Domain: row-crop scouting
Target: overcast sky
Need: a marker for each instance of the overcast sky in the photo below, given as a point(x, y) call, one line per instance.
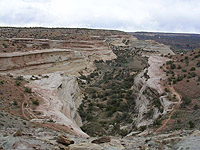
point(127, 15)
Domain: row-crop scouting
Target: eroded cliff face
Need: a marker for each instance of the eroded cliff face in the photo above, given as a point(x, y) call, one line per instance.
point(151, 101)
point(61, 98)
point(52, 72)
point(71, 96)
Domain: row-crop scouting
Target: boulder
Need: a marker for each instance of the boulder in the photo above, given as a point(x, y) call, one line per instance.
point(21, 145)
point(101, 140)
point(18, 133)
point(62, 139)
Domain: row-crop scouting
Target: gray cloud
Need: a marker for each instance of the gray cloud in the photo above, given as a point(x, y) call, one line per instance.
point(128, 15)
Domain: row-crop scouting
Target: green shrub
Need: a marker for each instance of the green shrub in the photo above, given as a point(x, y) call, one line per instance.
point(173, 66)
point(179, 78)
point(20, 78)
point(94, 95)
point(169, 62)
point(184, 70)
point(191, 124)
point(1, 82)
point(36, 102)
point(179, 67)
point(193, 74)
point(166, 90)
point(142, 128)
point(17, 83)
point(193, 69)
point(196, 107)
point(28, 90)
point(157, 122)
point(198, 63)
point(123, 132)
point(15, 103)
point(186, 100)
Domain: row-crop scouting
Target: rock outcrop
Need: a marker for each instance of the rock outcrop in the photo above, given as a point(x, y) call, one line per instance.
point(150, 88)
point(62, 139)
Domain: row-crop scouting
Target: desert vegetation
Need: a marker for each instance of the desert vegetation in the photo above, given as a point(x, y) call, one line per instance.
point(109, 102)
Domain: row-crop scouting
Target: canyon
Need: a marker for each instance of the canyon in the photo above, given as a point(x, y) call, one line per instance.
point(79, 82)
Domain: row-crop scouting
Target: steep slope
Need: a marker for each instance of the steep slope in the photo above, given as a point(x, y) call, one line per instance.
point(183, 77)
point(52, 71)
point(126, 94)
point(95, 83)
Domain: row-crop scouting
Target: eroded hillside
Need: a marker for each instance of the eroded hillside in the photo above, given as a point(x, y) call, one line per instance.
point(83, 82)
point(52, 70)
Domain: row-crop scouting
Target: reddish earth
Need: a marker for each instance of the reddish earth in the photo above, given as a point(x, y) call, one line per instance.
point(187, 88)
point(175, 108)
point(15, 98)
point(23, 105)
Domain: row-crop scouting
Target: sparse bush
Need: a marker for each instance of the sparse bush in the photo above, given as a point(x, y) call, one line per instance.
point(186, 100)
point(196, 107)
point(198, 63)
point(157, 102)
point(1, 82)
point(50, 121)
point(28, 90)
point(94, 95)
point(179, 78)
point(166, 90)
point(142, 128)
point(184, 70)
point(123, 132)
point(25, 104)
point(191, 124)
point(179, 67)
point(157, 122)
point(17, 83)
point(173, 66)
point(193, 74)
point(169, 62)
point(174, 81)
point(193, 69)
point(36, 102)
point(20, 78)
point(178, 121)
point(15, 103)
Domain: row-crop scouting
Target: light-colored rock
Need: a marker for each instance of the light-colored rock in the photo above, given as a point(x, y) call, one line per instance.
point(61, 99)
point(150, 84)
point(85, 146)
point(22, 145)
point(113, 145)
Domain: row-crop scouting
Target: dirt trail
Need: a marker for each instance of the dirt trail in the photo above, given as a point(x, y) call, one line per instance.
point(178, 96)
point(25, 98)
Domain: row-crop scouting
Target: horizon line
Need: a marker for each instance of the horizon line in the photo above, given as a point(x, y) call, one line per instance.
point(90, 28)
